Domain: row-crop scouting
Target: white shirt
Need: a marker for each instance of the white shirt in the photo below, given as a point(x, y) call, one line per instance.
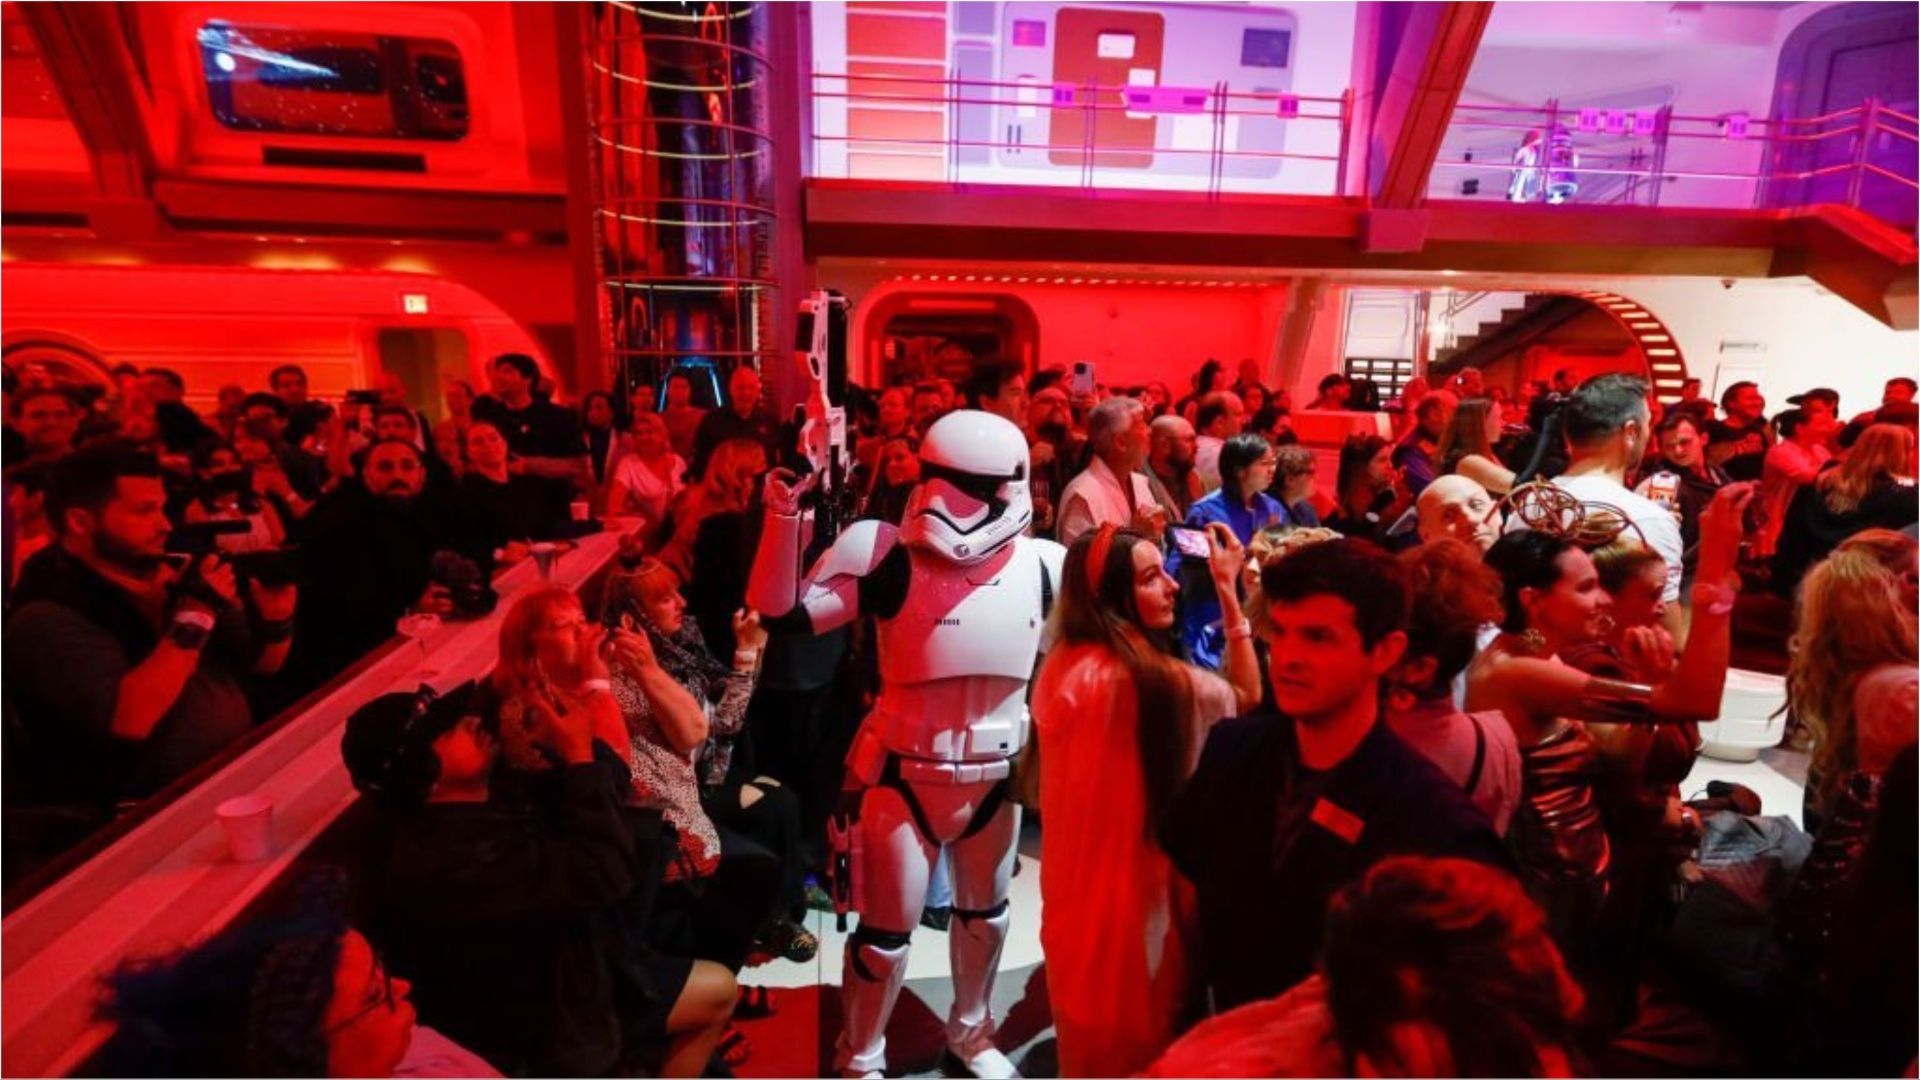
point(1095, 498)
point(632, 479)
point(1656, 523)
point(1206, 461)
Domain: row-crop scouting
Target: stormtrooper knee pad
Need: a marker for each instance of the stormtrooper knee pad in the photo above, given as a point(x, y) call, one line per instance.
point(985, 922)
point(875, 954)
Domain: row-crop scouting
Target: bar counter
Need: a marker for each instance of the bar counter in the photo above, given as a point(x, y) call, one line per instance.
point(168, 881)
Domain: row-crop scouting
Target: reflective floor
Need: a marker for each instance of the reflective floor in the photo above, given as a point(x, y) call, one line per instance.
point(799, 1040)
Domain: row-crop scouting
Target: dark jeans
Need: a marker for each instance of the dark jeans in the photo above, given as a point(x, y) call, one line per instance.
point(773, 823)
point(801, 738)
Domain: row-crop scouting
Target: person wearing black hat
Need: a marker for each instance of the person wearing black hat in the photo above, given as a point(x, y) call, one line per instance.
point(518, 919)
point(1821, 408)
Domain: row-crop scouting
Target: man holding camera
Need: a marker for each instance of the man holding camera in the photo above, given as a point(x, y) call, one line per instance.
point(127, 670)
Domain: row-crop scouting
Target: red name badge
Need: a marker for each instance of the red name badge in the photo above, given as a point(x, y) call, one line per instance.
point(1337, 821)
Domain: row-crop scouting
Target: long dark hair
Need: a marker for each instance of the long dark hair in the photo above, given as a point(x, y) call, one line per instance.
point(1107, 615)
point(1525, 559)
point(1466, 433)
point(1356, 457)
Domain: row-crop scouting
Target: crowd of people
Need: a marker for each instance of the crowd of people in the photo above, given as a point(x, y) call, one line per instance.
point(1377, 771)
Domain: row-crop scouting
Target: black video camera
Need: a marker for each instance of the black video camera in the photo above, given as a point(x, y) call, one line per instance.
point(467, 588)
point(274, 568)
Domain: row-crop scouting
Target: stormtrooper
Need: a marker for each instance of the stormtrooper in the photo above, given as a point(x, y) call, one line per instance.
point(960, 596)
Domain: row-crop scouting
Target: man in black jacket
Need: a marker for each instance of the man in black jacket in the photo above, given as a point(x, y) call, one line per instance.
point(516, 913)
point(365, 559)
point(127, 671)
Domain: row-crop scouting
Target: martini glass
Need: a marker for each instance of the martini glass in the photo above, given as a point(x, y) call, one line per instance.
point(418, 627)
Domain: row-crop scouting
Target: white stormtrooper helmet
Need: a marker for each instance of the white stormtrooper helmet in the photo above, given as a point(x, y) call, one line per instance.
point(972, 498)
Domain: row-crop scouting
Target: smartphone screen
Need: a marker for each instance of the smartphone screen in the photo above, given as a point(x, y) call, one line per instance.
point(1082, 381)
point(1190, 541)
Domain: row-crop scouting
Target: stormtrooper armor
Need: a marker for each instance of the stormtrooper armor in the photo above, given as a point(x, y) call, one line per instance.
point(960, 595)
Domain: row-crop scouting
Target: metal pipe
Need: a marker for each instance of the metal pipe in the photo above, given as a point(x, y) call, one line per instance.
point(1860, 150)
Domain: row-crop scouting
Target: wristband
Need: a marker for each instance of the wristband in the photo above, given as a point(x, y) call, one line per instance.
point(746, 657)
point(1240, 631)
point(190, 630)
point(597, 686)
point(274, 631)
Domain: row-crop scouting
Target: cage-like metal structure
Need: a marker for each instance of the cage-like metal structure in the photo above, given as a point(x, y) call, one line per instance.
point(683, 189)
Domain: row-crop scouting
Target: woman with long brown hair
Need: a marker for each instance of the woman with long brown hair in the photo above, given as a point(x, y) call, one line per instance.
point(1123, 721)
point(1852, 672)
point(1467, 446)
point(1873, 487)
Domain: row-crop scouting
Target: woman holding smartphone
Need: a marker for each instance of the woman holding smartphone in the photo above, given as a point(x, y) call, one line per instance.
point(1123, 722)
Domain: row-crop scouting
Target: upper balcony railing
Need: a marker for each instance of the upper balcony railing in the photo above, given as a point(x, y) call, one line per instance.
point(1179, 138)
point(1216, 139)
point(1863, 157)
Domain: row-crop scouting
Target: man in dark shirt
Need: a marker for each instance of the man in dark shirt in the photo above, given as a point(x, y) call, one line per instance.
point(45, 420)
point(1288, 806)
point(365, 561)
point(124, 678)
point(500, 508)
point(743, 418)
point(544, 438)
point(1739, 444)
point(1418, 454)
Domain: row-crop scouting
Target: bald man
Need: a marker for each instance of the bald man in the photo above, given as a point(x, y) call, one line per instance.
point(1170, 471)
point(1460, 508)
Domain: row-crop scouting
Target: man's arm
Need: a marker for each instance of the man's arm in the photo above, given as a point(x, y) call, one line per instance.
point(563, 449)
point(61, 658)
point(553, 468)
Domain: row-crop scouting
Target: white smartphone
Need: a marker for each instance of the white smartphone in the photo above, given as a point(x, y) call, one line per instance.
point(1081, 383)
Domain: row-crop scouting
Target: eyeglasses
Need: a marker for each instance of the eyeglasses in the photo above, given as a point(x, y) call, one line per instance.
point(380, 984)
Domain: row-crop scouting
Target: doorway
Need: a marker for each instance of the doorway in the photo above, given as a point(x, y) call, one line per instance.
point(424, 360)
point(910, 337)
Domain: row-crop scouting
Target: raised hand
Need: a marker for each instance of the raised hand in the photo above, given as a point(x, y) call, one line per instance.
point(1227, 559)
point(747, 631)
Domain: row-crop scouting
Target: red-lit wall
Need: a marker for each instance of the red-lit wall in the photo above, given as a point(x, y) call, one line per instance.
point(528, 283)
point(1133, 332)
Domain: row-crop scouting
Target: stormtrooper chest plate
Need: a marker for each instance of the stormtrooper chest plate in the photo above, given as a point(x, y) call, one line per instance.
point(961, 621)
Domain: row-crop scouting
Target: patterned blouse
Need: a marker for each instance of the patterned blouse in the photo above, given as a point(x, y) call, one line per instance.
point(665, 778)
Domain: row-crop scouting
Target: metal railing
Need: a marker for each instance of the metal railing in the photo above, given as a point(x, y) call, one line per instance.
point(1637, 155)
point(1216, 138)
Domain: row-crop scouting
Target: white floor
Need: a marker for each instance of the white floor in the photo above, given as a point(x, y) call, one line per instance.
point(928, 959)
point(1775, 778)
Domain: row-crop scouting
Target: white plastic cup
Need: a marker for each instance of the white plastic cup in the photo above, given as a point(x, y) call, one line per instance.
point(580, 509)
point(248, 823)
point(544, 554)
